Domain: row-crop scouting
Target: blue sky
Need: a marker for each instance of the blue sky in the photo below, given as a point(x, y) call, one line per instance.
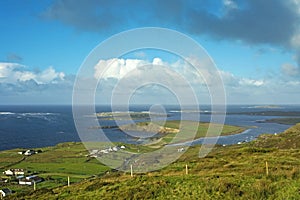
point(255, 44)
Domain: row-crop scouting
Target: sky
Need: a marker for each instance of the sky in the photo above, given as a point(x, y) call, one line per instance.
point(254, 44)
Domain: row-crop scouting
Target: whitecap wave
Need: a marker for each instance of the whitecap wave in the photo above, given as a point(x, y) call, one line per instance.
point(20, 115)
point(37, 114)
point(7, 113)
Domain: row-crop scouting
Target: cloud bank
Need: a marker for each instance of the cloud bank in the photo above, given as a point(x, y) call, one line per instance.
point(26, 86)
point(273, 22)
point(14, 73)
point(50, 86)
point(272, 89)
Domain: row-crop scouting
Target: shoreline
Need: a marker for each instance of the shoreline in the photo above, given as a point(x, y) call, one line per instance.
point(190, 142)
point(60, 142)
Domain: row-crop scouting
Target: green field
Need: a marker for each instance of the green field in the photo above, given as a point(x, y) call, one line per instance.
point(188, 130)
point(231, 172)
point(54, 164)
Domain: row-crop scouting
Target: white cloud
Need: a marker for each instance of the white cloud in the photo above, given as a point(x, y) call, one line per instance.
point(251, 82)
point(295, 40)
point(24, 76)
point(7, 68)
point(49, 75)
point(14, 73)
point(229, 79)
point(290, 70)
point(297, 5)
point(119, 68)
point(19, 85)
point(195, 72)
point(230, 4)
point(16, 79)
point(116, 68)
point(200, 75)
point(293, 83)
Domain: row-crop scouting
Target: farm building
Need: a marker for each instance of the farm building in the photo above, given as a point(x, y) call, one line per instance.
point(5, 192)
point(29, 152)
point(30, 180)
point(14, 172)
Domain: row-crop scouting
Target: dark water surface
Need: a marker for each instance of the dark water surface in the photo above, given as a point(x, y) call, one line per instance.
point(39, 126)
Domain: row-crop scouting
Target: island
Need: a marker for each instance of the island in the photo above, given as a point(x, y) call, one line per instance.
point(171, 132)
point(129, 115)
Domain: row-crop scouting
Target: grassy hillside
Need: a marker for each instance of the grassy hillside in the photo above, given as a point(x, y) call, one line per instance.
point(289, 139)
point(285, 120)
point(231, 172)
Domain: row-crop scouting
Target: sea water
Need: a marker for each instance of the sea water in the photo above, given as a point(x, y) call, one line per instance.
point(39, 126)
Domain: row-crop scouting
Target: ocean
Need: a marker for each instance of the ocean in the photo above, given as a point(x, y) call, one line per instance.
point(40, 126)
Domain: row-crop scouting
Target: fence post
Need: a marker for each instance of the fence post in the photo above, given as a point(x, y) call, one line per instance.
point(186, 169)
point(267, 168)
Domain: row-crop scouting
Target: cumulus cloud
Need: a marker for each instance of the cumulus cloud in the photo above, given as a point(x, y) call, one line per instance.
point(7, 68)
point(116, 68)
point(113, 72)
point(232, 81)
point(204, 74)
point(290, 70)
point(230, 4)
point(14, 73)
point(273, 89)
point(19, 85)
point(49, 75)
point(251, 82)
point(238, 89)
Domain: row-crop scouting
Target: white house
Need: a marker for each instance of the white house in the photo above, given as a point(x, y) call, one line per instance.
point(110, 149)
point(30, 180)
point(94, 151)
point(115, 148)
point(8, 172)
point(29, 152)
point(14, 172)
point(5, 191)
point(104, 151)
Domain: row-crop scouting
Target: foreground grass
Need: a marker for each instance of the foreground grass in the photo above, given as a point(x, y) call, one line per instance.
point(231, 172)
